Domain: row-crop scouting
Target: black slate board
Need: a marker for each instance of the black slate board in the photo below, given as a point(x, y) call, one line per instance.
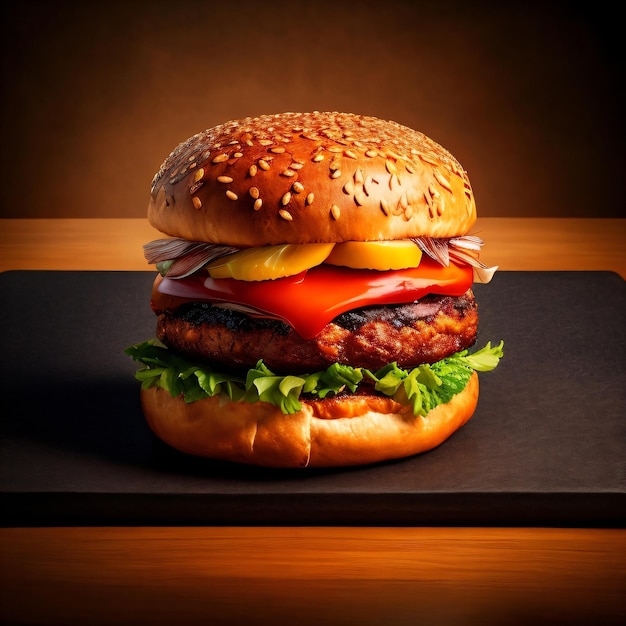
point(547, 445)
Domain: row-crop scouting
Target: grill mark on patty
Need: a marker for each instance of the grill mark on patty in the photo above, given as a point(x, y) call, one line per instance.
point(397, 315)
point(404, 314)
point(205, 313)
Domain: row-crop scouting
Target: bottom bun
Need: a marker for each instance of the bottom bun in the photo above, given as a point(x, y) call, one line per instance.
point(370, 431)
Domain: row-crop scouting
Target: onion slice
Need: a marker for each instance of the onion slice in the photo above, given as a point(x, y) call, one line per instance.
point(463, 249)
point(436, 249)
point(186, 257)
point(484, 274)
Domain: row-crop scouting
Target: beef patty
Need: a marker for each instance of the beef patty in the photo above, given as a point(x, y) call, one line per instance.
point(424, 331)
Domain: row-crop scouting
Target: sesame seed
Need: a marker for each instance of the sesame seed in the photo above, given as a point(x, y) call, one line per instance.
point(309, 199)
point(296, 166)
point(371, 153)
point(350, 154)
point(198, 175)
point(336, 174)
point(288, 172)
point(220, 158)
point(254, 192)
point(266, 142)
point(384, 205)
point(197, 203)
point(390, 166)
point(335, 211)
point(277, 150)
point(429, 201)
point(358, 177)
point(348, 188)
point(367, 185)
point(231, 195)
point(427, 159)
point(285, 215)
point(224, 179)
point(297, 187)
point(318, 157)
point(334, 165)
point(257, 204)
point(264, 165)
point(252, 171)
point(359, 197)
point(442, 180)
point(195, 187)
point(286, 199)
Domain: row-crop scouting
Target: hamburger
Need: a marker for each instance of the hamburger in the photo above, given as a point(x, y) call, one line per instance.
point(313, 300)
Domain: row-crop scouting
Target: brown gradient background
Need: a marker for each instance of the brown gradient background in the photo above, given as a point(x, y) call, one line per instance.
point(96, 94)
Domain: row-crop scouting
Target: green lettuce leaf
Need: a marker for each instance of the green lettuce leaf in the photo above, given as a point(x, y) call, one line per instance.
point(423, 387)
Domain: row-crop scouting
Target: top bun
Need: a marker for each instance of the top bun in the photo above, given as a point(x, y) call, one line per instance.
point(310, 178)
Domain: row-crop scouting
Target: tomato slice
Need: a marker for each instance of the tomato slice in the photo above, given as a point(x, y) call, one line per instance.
point(311, 299)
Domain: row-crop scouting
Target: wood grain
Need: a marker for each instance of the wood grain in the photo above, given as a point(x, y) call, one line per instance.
point(116, 244)
point(317, 575)
point(313, 576)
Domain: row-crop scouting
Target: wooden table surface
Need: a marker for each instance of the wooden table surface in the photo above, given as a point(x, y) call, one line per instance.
point(312, 575)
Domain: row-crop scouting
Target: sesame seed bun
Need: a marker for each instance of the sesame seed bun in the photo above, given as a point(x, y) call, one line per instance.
point(350, 431)
point(307, 178)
